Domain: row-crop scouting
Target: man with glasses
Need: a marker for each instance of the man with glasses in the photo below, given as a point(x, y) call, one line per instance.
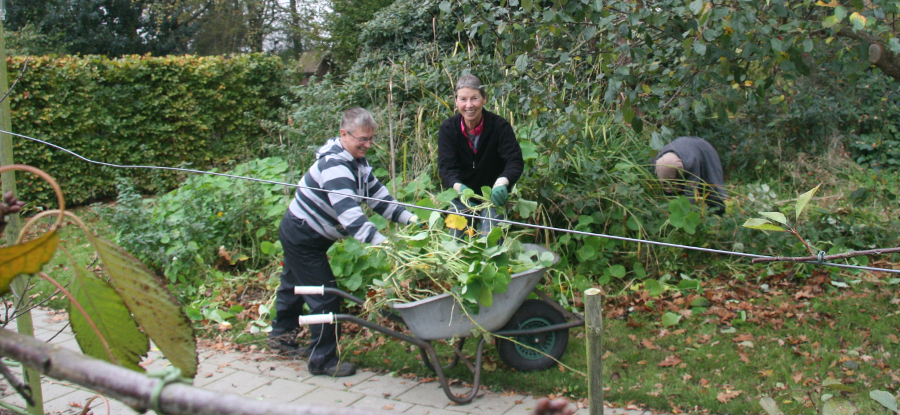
point(326, 207)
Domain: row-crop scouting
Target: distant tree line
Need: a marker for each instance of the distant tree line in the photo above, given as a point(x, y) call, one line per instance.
point(203, 27)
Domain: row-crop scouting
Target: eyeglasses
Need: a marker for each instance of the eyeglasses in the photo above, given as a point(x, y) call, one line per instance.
point(362, 140)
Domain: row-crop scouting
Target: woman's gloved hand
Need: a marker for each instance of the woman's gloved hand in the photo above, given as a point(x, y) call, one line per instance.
point(499, 195)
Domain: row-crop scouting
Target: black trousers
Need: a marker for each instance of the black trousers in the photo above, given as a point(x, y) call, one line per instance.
point(305, 263)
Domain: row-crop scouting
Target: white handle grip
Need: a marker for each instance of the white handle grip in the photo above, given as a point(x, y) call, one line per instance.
point(310, 290)
point(317, 319)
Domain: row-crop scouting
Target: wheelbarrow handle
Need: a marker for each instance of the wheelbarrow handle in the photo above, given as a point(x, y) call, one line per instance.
point(310, 290)
point(317, 319)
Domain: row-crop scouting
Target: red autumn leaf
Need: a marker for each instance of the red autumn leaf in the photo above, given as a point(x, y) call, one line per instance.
point(704, 382)
point(670, 361)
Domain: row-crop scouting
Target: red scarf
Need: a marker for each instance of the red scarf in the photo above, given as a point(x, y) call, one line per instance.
point(475, 132)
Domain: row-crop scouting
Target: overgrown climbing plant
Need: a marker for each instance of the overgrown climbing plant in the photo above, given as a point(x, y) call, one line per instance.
point(113, 316)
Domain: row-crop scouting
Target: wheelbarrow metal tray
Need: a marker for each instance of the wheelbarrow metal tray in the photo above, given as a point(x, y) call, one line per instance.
point(441, 317)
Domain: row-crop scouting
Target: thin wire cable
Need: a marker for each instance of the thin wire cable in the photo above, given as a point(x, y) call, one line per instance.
point(407, 205)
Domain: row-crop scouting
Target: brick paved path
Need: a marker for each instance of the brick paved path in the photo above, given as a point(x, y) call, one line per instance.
point(266, 377)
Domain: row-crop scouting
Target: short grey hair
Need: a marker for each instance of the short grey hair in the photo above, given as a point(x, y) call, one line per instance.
point(471, 81)
point(358, 118)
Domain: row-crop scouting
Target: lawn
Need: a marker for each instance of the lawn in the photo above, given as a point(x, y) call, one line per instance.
point(747, 343)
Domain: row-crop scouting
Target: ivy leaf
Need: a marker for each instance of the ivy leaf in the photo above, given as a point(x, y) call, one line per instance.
point(763, 225)
point(26, 258)
point(886, 399)
point(112, 318)
point(152, 305)
point(776, 216)
point(803, 200)
point(455, 222)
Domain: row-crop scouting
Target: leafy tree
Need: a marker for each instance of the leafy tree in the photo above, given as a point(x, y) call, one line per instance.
point(104, 27)
point(686, 60)
point(345, 25)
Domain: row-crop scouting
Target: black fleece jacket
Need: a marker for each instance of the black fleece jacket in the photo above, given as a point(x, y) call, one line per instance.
point(499, 154)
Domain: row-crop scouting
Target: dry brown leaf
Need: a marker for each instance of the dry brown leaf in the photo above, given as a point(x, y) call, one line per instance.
point(388, 407)
point(670, 361)
point(727, 396)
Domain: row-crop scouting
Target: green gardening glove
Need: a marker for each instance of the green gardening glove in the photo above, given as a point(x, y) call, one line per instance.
point(462, 188)
point(499, 195)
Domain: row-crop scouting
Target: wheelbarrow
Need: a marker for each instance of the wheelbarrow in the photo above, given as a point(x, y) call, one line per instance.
point(540, 327)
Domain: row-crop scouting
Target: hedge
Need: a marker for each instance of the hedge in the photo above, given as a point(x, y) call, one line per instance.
point(137, 110)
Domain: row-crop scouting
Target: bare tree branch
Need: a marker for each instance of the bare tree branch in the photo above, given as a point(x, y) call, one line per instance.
point(134, 389)
point(829, 257)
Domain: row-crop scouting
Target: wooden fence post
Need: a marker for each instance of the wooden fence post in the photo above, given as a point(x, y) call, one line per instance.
point(593, 313)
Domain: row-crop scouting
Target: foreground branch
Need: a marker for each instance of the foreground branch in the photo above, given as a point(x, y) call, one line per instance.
point(829, 257)
point(134, 389)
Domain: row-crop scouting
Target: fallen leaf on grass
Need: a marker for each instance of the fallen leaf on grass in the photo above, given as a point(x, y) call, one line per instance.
point(743, 338)
point(797, 377)
point(703, 382)
point(687, 377)
point(744, 357)
point(727, 396)
point(670, 361)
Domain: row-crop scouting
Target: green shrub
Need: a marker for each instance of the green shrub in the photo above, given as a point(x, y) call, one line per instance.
point(138, 110)
point(209, 221)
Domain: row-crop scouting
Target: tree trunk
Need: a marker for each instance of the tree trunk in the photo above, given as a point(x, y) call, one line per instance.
point(879, 54)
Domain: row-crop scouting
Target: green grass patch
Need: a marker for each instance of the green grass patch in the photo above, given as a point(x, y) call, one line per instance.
point(747, 344)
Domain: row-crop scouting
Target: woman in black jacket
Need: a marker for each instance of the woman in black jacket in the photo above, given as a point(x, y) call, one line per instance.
point(478, 148)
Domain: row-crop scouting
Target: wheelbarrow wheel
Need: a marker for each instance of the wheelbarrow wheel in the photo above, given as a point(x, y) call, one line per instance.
point(534, 351)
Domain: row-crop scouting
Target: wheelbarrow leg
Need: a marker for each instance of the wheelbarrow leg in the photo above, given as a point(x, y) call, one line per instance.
point(430, 365)
point(476, 381)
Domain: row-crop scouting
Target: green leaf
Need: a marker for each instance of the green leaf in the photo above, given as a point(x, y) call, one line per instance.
point(445, 6)
point(152, 305)
point(617, 271)
point(700, 302)
point(803, 200)
point(696, 7)
point(26, 258)
point(654, 287)
point(768, 404)
point(838, 406)
point(422, 213)
point(886, 399)
point(485, 297)
point(670, 319)
point(525, 208)
point(776, 216)
point(840, 13)
point(700, 48)
point(691, 221)
point(526, 5)
point(108, 312)
point(763, 225)
point(522, 63)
